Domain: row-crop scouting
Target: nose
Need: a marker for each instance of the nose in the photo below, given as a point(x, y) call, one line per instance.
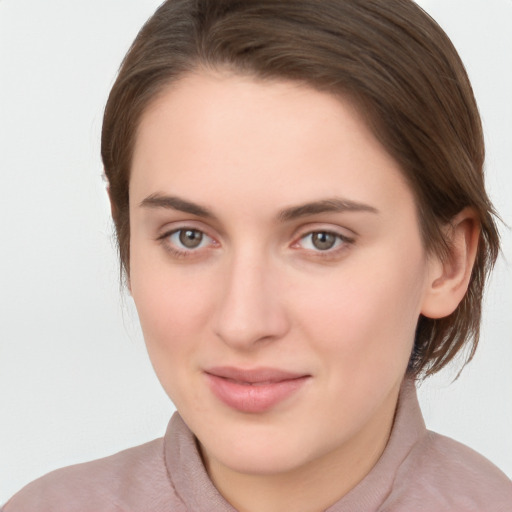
point(250, 310)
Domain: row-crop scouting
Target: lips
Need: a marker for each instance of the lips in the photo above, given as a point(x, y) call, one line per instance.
point(253, 390)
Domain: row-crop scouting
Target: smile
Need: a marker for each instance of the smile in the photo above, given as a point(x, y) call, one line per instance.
point(253, 391)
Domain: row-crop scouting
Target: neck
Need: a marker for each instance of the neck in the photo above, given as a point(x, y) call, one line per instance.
point(314, 486)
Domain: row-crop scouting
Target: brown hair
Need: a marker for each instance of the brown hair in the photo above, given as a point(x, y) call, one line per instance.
point(388, 56)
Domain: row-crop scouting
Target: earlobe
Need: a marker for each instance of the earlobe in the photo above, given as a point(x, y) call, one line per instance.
point(449, 277)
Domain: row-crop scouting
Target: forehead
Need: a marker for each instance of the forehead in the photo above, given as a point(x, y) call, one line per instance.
point(276, 140)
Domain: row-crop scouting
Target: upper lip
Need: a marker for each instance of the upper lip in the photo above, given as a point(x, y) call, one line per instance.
point(254, 375)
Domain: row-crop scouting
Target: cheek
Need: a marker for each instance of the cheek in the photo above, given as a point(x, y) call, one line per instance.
point(169, 313)
point(172, 321)
point(169, 301)
point(366, 314)
point(173, 310)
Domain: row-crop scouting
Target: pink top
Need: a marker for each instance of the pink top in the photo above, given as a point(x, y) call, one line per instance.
point(418, 471)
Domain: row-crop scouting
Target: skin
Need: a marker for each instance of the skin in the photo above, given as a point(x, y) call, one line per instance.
point(256, 292)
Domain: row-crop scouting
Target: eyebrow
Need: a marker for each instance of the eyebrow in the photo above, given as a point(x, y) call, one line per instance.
point(336, 205)
point(176, 203)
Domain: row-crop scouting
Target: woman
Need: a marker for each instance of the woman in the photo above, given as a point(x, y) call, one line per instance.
point(298, 197)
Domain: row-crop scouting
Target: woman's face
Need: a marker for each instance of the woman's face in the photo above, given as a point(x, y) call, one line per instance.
point(277, 268)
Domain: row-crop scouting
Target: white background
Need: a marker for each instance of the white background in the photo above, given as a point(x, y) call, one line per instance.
point(75, 381)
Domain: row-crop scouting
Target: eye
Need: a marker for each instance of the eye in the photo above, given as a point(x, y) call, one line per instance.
point(189, 238)
point(322, 241)
point(186, 240)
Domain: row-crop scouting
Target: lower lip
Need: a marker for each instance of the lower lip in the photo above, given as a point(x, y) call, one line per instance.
point(253, 398)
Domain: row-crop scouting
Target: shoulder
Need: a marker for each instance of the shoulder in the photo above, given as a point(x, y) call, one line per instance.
point(446, 474)
point(134, 479)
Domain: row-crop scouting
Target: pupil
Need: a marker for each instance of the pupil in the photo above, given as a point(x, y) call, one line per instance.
point(323, 241)
point(190, 238)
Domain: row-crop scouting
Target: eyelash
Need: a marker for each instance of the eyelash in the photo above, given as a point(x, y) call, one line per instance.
point(341, 243)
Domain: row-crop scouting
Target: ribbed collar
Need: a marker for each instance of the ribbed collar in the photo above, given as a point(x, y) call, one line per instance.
point(194, 487)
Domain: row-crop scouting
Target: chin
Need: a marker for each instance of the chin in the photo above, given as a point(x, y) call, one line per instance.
point(259, 458)
point(261, 448)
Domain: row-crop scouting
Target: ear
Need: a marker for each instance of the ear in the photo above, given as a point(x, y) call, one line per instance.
point(449, 277)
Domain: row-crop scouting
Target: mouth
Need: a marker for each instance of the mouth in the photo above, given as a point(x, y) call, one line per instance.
point(254, 390)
